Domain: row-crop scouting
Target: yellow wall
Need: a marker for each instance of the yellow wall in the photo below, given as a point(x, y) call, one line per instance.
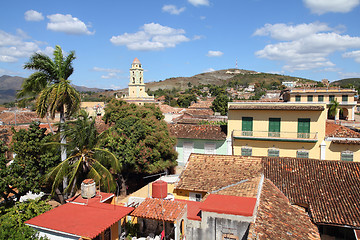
point(184, 194)
point(289, 123)
point(337, 94)
point(333, 151)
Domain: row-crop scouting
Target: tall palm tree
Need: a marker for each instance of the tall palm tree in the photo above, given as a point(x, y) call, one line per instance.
point(85, 158)
point(333, 108)
point(54, 90)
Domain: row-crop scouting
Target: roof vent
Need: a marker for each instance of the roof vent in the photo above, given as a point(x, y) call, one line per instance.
point(88, 188)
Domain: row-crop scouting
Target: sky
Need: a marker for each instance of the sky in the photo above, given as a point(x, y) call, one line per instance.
point(313, 39)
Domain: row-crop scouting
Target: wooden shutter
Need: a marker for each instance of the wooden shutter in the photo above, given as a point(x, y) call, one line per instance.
point(303, 127)
point(274, 127)
point(247, 126)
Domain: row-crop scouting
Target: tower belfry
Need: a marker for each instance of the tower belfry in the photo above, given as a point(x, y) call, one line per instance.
point(137, 93)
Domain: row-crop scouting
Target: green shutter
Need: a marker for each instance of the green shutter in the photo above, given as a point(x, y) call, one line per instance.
point(247, 126)
point(273, 152)
point(302, 154)
point(347, 156)
point(320, 98)
point(297, 98)
point(246, 151)
point(274, 127)
point(310, 98)
point(303, 127)
point(344, 98)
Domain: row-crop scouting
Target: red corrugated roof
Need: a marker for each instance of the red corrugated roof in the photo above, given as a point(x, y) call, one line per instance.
point(81, 220)
point(99, 197)
point(193, 209)
point(233, 205)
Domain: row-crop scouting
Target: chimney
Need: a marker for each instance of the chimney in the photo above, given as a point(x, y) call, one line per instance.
point(88, 188)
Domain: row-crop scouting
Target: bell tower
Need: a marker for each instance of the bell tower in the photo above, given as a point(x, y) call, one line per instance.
point(136, 82)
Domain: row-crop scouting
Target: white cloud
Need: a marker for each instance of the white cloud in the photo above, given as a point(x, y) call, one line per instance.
point(34, 16)
point(310, 49)
point(285, 32)
point(209, 70)
point(110, 75)
point(202, 17)
point(324, 6)
point(214, 53)
point(199, 2)
point(48, 51)
point(110, 70)
point(198, 37)
point(151, 37)
point(67, 24)
point(8, 72)
point(172, 9)
point(353, 54)
point(349, 74)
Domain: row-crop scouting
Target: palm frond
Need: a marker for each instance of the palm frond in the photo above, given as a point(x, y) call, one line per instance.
point(75, 169)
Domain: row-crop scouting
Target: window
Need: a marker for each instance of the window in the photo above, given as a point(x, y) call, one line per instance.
point(273, 152)
point(310, 98)
point(210, 148)
point(302, 154)
point(246, 151)
point(298, 98)
point(303, 128)
point(344, 98)
point(274, 127)
point(195, 196)
point(331, 98)
point(320, 98)
point(347, 156)
point(247, 126)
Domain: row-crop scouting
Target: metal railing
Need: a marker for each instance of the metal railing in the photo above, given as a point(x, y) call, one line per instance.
point(267, 134)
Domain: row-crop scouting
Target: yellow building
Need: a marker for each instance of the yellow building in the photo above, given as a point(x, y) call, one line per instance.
point(345, 98)
point(137, 93)
point(93, 108)
point(287, 130)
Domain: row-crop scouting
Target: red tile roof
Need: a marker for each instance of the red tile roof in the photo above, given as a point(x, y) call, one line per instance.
point(202, 104)
point(277, 219)
point(81, 220)
point(338, 131)
point(276, 107)
point(233, 205)
point(136, 60)
point(193, 209)
point(206, 173)
point(159, 209)
point(330, 189)
point(210, 132)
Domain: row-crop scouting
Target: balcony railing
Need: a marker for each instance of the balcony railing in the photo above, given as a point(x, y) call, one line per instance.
point(276, 136)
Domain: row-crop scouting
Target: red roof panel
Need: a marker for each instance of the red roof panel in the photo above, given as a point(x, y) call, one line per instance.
point(81, 220)
point(243, 206)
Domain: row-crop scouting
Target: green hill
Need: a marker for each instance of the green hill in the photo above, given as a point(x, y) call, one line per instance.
point(347, 82)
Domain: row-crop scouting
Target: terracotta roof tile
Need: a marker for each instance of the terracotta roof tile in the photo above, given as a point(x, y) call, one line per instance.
point(338, 131)
point(202, 104)
point(276, 107)
point(168, 109)
point(247, 188)
point(206, 173)
point(330, 189)
point(159, 209)
point(211, 132)
point(277, 219)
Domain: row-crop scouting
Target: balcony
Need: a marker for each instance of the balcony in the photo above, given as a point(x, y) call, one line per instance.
point(276, 136)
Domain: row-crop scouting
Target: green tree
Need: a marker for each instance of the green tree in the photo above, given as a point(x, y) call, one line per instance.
point(220, 104)
point(30, 164)
point(333, 109)
point(185, 100)
point(55, 92)
point(139, 138)
point(12, 220)
point(5, 189)
point(86, 159)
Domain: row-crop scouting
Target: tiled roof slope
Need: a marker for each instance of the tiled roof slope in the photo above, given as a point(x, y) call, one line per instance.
point(159, 209)
point(329, 188)
point(245, 189)
point(205, 173)
point(202, 104)
point(277, 219)
point(210, 132)
point(276, 107)
point(338, 131)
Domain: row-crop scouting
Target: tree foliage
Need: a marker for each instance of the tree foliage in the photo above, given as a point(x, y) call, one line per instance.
point(12, 219)
point(30, 164)
point(220, 104)
point(86, 159)
point(139, 138)
point(185, 100)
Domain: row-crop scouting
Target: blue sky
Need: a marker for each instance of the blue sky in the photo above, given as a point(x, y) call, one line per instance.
point(313, 39)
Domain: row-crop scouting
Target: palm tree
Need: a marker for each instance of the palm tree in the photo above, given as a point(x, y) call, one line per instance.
point(333, 108)
point(85, 158)
point(55, 92)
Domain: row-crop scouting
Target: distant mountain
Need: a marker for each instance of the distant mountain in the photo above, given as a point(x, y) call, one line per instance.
point(10, 84)
point(345, 82)
point(221, 77)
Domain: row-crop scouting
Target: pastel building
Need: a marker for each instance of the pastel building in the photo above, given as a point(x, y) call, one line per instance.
point(345, 97)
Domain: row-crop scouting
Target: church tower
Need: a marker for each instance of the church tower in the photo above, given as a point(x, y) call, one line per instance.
point(136, 83)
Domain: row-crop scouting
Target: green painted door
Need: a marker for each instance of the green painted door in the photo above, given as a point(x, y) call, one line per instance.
point(303, 127)
point(274, 127)
point(247, 126)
